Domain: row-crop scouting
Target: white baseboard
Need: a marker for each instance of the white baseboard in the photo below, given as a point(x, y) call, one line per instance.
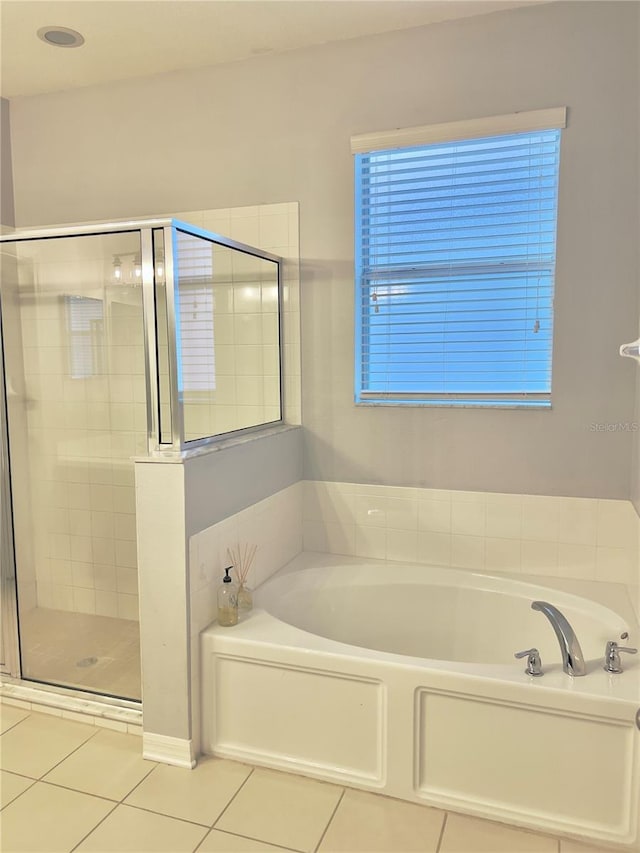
point(168, 750)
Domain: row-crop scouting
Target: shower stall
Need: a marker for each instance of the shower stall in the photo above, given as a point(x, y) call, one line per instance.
point(119, 340)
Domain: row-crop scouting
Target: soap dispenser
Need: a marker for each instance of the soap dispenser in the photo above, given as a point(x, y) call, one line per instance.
point(227, 601)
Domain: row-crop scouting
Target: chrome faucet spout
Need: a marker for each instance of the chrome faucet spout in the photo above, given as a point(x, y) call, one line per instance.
point(572, 658)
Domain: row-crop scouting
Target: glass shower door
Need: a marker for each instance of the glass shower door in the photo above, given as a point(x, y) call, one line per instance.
point(73, 340)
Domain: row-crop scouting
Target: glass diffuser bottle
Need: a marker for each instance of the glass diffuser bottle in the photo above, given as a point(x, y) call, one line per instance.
point(227, 601)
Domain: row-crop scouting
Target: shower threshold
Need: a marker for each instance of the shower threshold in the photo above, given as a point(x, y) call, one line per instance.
point(85, 652)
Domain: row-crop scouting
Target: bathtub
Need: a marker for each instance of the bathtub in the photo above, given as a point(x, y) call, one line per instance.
point(401, 679)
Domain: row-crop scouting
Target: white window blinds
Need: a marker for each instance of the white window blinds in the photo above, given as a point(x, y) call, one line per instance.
point(195, 320)
point(455, 262)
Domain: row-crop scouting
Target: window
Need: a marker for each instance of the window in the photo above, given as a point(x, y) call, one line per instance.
point(196, 307)
point(455, 262)
point(85, 328)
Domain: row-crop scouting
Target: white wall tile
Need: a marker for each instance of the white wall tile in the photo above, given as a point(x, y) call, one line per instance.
point(102, 524)
point(84, 600)
point(273, 230)
point(83, 575)
point(103, 550)
point(402, 513)
point(467, 552)
point(100, 472)
point(617, 524)
point(616, 565)
point(127, 580)
point(128, 606)
point(539, 557)
point(63, 598)
point(434, 548)
point(504, 517)
point(125, 553)
point(79, 522)
point(434, 515)
point(60, 546)
point(60, 572)
point(468, 518)
point(578, 521)
point(105, 577)
point(106, 603)
point(503, 555)
point(577, 561)
point(371, 511)
point(81, 548)
point(371, 542)
point(540, 518)
point(402, 545)
point(340, 538)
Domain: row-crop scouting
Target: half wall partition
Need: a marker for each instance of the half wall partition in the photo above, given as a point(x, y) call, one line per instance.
point(119, 340)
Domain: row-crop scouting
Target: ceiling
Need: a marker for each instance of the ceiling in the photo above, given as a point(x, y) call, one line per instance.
point(134, 38)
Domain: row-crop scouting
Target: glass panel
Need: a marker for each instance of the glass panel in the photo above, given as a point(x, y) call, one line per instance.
point(73, 338)
point(162, 337)
point(228, 337)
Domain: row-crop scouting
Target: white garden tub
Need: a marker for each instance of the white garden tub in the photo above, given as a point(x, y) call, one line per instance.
point(401, 679)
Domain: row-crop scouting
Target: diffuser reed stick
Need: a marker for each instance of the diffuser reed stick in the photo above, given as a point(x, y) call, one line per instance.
point(241, 557)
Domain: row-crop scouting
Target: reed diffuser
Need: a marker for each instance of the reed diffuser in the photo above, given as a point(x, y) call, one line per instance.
point(241, 557)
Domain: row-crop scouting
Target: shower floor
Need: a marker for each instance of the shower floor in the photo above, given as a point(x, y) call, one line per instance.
point(81, 650)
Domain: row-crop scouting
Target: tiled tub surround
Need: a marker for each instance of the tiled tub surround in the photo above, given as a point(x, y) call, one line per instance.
point(556, 753)
point(583, 538)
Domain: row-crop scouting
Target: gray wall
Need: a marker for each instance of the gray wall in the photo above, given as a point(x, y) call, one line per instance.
point(277, 128)
point(243, 474)
point(6, 171)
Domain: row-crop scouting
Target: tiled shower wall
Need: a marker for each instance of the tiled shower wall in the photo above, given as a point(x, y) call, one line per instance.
point(82, 432)
point(581, 538)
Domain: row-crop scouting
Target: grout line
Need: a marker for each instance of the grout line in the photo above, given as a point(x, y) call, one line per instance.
point(137, 785)
point(68, 755)
point(79, 791)
point(164, 814)
point(17, 723)
point(93, 828)
point(21, 775)
point(442, 829)
point(251, 838)
point(17, 797)
point(321, 839)
point(115, 806)
point(233, 798)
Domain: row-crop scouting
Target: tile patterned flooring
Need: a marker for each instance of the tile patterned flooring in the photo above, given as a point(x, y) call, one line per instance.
point(82, 650)
point(68, 786)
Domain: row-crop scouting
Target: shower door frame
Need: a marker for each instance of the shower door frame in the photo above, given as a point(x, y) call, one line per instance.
point(177, 447)
point(9, 635)
point(11, 670)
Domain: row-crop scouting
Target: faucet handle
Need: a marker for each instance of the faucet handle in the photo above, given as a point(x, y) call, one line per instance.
point(534, 664)
point(612, 656)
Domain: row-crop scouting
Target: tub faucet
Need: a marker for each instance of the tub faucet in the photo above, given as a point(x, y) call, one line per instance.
point(572, 658)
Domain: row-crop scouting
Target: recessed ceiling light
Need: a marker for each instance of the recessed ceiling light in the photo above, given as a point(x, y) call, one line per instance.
point(60, 36)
